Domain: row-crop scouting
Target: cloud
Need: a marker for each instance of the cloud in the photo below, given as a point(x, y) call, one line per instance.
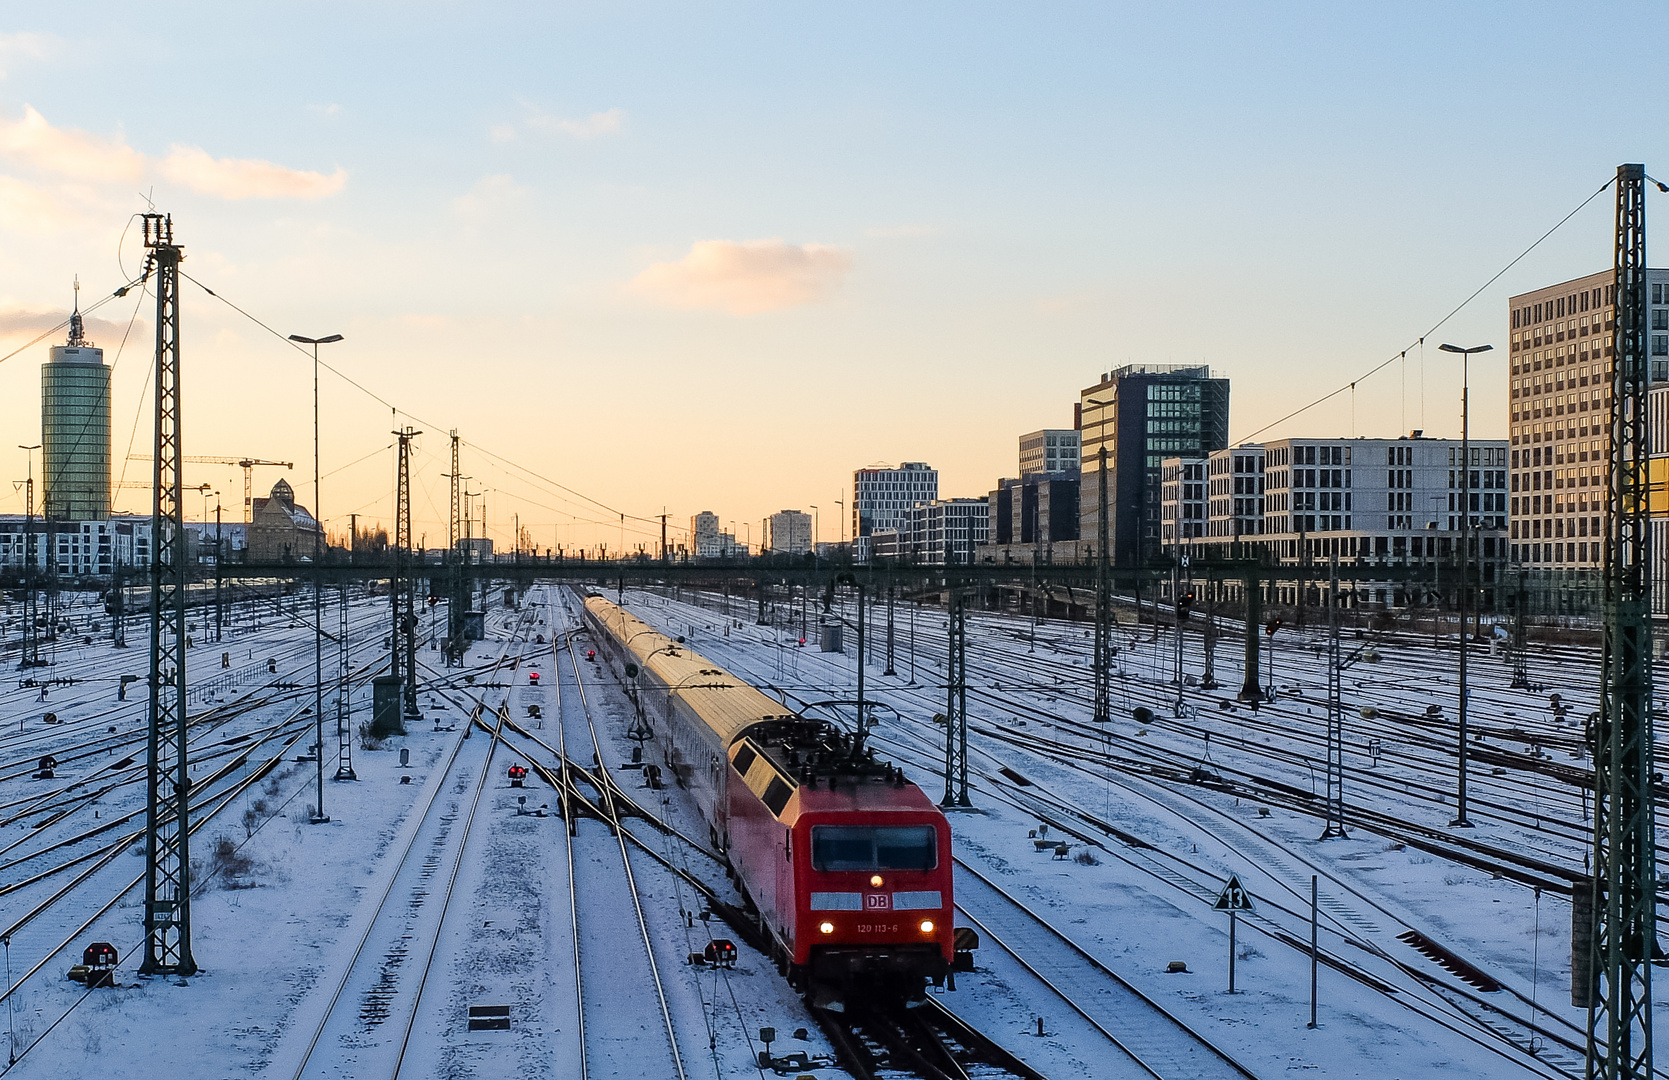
point(68, 152)
point(25, 46)
point(746, 277)
point(244, 178)
point(28, 322)
point(597, 125)
point(30, 209)
point(490, 193)
point(78, 177)
point(898, 232)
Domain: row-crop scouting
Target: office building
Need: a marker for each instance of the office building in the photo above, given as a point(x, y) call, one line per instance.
point(1038, 510)
point(882, 497)
point(79, 549)
point(1397, 502)
point(1182, 500)
point(75, 430)
point(945, 532)
point(1142, 414)
point(1052, 450)
point(1559, 409)
point(790, 533)
point(1235, 491)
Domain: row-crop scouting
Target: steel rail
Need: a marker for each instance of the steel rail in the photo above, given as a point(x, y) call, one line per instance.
point(413, 831)
point(613, 820)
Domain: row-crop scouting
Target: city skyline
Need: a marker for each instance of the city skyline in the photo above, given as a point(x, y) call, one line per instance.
point(731, 254)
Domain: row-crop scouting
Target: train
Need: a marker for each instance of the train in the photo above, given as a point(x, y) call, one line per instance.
point(843, 861)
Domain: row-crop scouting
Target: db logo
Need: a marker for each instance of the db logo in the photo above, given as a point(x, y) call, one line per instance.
point(875, 901)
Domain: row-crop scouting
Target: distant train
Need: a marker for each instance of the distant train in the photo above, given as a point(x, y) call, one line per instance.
point(847, 863)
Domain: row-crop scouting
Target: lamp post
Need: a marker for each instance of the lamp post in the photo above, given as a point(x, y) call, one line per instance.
point(31, 634)
point(816, 529)
point(318, 585)
point(1460, 820)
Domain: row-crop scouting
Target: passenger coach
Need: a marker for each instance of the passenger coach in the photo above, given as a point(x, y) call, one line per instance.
point(846, 862)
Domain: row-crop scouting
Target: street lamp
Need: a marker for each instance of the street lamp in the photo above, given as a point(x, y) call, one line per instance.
point(318, 585)
point(1460, 820)
point(31, 640)
point(816, 528)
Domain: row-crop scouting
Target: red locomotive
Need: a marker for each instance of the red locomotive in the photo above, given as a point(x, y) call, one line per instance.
point(846, 862)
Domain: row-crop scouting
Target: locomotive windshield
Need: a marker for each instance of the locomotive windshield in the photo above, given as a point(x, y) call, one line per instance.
point(861, 847)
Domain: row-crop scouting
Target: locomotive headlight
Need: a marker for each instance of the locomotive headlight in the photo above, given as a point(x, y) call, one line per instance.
point(875, 882)
point(827, 928)
point(927, 926)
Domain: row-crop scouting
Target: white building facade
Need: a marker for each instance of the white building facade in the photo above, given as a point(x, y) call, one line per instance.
point(883, 497)
point(1051, 450)
point(790, 533)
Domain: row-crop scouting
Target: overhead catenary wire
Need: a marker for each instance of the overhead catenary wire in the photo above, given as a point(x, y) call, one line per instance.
point(398, 412)
point(31, 343)
point(1421, 340)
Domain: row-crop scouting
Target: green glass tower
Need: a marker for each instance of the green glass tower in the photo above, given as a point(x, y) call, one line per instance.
point(75, 430)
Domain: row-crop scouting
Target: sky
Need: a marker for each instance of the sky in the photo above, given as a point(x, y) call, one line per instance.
point(670, 258)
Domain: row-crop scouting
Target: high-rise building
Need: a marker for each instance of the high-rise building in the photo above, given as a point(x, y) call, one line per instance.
point(790, 532)
point(704, 536)
point(75, 430)
point(882, 497)
point(1052, 450)
point(1142, 414)
point(1559, 410)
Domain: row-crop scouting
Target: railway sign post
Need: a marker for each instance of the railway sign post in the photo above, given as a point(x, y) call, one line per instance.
point(1233, 899)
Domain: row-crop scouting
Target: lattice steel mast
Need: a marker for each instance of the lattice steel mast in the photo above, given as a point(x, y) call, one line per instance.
point(1335, 713)
point(1624, 886)
point(403, 589)
point(168, 777)
point(956, 705)
point(458, 584)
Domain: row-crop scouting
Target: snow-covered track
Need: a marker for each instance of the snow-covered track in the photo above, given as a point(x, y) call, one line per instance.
point(1153, 1037)
point(614, 1025)
point(364, 1027)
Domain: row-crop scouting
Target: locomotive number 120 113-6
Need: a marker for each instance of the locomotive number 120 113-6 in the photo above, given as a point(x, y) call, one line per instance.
point(878, 928)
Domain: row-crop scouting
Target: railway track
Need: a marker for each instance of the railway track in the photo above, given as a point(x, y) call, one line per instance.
point(366, 1023)
point(614, 1028)
point(1483, 1020)
point(1155, 1040)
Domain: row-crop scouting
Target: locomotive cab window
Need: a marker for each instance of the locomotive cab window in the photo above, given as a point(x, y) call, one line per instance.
point(858, 847)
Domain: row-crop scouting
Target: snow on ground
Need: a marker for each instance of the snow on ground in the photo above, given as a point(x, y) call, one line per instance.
point(1139, 922)
point(271, 936)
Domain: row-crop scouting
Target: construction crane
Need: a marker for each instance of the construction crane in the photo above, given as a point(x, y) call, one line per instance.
point(247, 464)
